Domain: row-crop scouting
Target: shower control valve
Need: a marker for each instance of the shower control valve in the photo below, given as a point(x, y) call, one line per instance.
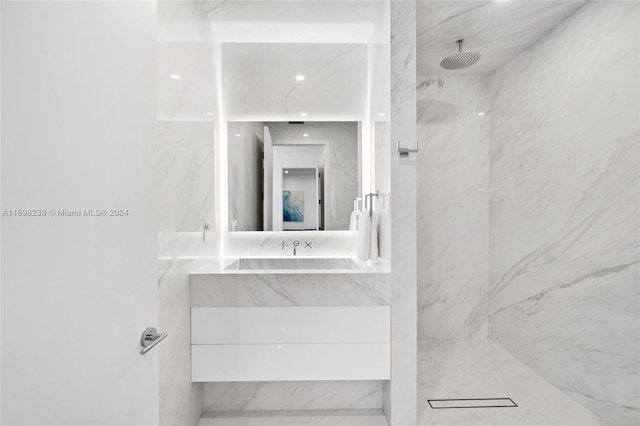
point(283, 243)
point(307, 243)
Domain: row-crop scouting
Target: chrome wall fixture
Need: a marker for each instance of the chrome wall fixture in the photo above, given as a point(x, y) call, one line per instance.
point(370, 196)
point(150, 338)
point(404, 152)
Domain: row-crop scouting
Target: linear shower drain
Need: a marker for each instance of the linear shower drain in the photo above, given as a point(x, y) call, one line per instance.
point(472, 403)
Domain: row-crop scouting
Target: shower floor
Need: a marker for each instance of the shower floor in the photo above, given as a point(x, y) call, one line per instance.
point(462, 369)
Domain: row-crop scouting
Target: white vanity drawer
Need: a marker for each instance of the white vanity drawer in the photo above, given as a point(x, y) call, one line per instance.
point(290, 362)
point(344, 324)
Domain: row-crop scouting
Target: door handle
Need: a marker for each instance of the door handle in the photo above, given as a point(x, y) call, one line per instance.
point(150, 338)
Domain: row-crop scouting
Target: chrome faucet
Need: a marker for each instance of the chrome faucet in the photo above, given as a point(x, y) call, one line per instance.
point(283, 243)
point(296, 243)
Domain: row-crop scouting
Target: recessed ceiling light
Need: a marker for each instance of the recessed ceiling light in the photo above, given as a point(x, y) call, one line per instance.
point(304, 114)
point(181, 149)
point(238, 135)
point(519, 133)
point(176, 77)
point(286, 171)
point(209, 113)
point(382, 114)
point(481, 113)
point(300, 77)
point(306, 135)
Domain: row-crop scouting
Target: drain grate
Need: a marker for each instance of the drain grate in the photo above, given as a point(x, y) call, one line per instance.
point(472, 403)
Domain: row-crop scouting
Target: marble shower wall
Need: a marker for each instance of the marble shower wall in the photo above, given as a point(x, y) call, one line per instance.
point(453, 208)
point(342, 170)
point(565, 163)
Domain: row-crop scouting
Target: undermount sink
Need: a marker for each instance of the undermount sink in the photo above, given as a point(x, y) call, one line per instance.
point(293, 264)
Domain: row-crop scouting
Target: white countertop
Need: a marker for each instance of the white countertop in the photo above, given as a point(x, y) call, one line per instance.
point(217, 266)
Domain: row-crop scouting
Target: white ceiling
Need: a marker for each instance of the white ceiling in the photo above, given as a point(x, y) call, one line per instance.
point(498, 30)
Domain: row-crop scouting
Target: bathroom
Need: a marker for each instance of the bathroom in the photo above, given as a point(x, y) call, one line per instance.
point(499, 282)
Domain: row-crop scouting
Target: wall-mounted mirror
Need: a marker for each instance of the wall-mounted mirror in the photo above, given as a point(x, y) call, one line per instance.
point(303, 86)
point(292, 176)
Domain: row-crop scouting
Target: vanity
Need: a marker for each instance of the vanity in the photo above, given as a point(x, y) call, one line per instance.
point(284, 319)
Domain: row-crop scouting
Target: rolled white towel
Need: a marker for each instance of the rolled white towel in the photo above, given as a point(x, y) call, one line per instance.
point(364, 235)
point(353, 221)
point(373, 250)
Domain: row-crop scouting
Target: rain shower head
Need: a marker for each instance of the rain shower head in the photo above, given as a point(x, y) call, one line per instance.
point(460, 60)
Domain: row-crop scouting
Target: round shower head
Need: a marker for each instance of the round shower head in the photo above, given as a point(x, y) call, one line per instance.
point(460, 60)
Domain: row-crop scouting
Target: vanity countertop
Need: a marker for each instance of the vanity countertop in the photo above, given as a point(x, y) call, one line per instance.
point(291, 265)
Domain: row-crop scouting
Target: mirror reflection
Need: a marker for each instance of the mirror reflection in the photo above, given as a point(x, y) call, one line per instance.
point(292, 175)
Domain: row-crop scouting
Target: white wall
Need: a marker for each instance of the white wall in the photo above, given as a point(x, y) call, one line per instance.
point(78, 131)
point(0, 220)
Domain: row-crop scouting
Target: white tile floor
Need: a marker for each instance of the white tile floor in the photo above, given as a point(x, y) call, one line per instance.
point(448, 369)
point(295, 418)
point(482, 369)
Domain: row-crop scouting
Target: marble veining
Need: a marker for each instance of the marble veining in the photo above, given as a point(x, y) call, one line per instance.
point(453, 226)
point(478, 368)
point(498, 30)
point(400, 393)
point(252, 396)
point(267, 244)
point(259, 81)
point(181, 401)
point(565, 215)
point(186, 174)
point(191, 97)
point(290, 290)
point(186, 193)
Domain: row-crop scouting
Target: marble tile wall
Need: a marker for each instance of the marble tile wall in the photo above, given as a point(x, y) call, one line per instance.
point(340, 289)
point(565, 215)
point(187, 111)
point(342, 161)
point(329, 395)
point(453, 212)
point(186, 174)
point(181, 402)
point(267, 244)
point(400, 392)
point(259, 86)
